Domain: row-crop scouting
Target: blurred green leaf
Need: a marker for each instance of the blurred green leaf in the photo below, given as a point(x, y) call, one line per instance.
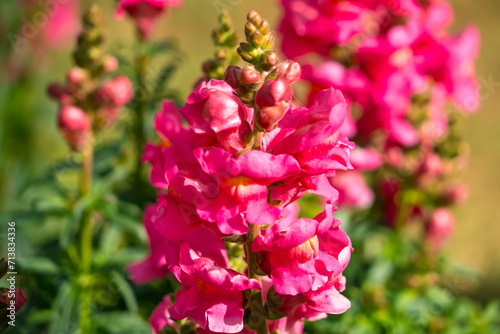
point(122, 322)
point(126, 291)
point(41, 265)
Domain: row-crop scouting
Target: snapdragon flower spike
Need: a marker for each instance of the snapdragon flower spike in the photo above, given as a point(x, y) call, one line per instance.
point(145, 13)
point(293, 256)
point(211, 295)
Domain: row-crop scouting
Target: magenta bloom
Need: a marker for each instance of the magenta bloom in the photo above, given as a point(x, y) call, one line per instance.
point(211, 295)
point(354, 193)
point(294, 257)
point(145, 13)
point(154, 266)
point(314, 25)
point(63, 25)
point(311, 135)
point(213, 110)
point(241, 193)
point(161, 317)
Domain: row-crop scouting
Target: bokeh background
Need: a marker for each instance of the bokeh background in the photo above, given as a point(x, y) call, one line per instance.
point(29, 142)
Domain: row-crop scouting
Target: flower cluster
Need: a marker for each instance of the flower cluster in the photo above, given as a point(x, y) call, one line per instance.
point(145, 13)
point(231, 177)
point(85, 103)
point(398, 68)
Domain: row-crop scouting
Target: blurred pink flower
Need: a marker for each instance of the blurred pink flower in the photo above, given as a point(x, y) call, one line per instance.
point(145, 13)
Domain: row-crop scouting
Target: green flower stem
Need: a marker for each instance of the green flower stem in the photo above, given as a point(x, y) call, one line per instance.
point(257, 306)
point(86, 240)
point(140, 111)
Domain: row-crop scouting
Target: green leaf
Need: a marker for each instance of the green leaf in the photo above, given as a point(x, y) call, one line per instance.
point(122, 322)
point(110, 240)
point(163, 77)
point(68, 231)
point(64, 313)
point(126, 291)
point(128, 224)
point(41, 265)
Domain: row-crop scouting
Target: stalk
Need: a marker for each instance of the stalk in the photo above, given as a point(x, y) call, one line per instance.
point(257, 305)
point(140, 111)
point(86, 240)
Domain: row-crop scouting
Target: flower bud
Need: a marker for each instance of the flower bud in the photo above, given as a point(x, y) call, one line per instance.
point(231, 76)
point(59, 93)
point(249, 29)
point(254, 18)
point(273, 92)
point(273, 99)
point(289, 70)
point(7, 298)
point(256, 39)
point(432, 165)
point(269, 59)
point(457, 193)
point(264, 27)
point(246, 52)
point(55, 90)
point(116, 92)
point(76, 76)
point(268, 42)
point(110, 64)
point(74, 125)
point(249, 76)
point(440, 226)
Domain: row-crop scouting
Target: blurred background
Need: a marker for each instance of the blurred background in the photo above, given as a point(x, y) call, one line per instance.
point(29, 141)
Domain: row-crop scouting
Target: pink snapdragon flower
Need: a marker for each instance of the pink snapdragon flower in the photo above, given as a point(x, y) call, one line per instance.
point(293, 254)
point(154, 266)
point(354, 193)
point(145, 13)
point(311, 135)
point(211, 295)
point(160, 318)
point(242, 183)
point(213, 110)
point(63, 24)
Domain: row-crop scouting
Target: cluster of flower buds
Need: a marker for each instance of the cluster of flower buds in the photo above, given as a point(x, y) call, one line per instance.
point(230, 184)
point(145, 13)
point(225, 41)
point(85, 103)
point(398, 68)
point(11, 299)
